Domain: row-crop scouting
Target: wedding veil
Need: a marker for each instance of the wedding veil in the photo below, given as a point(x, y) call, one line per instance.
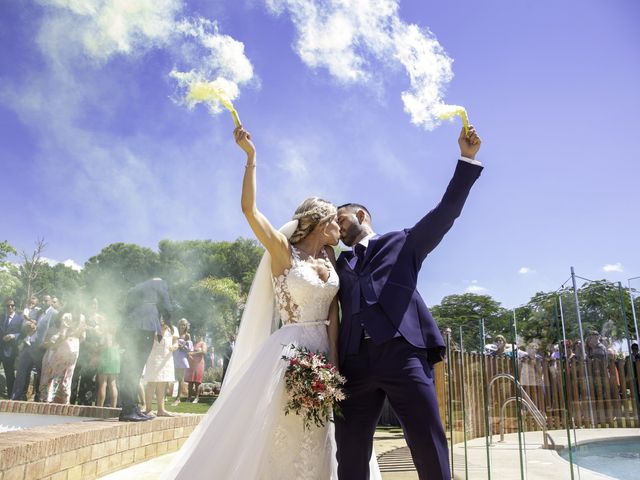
point(260, 318)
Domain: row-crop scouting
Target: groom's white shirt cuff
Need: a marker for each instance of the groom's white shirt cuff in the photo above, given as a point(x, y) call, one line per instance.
point(471, 161)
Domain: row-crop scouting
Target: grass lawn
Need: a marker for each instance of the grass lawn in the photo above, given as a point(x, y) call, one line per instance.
point(184, 407)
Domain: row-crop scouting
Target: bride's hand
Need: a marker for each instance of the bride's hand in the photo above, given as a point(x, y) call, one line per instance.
point(243, 139)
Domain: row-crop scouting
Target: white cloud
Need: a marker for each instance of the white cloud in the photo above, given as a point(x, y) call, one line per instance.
point(97, 30)
point(613, 267)
point(67, 263)
point(107, 27)
point(353, 38)
point(525, 270)
point(475, 288)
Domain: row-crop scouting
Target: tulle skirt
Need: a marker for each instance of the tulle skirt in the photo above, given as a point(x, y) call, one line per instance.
point(246, 435)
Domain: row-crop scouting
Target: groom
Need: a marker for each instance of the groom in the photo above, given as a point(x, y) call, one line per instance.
point(388, 340)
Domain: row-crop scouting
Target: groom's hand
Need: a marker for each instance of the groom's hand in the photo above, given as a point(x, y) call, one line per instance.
point(469, 143)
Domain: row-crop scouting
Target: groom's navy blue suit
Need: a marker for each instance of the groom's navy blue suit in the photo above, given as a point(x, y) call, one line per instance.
point(379, 300)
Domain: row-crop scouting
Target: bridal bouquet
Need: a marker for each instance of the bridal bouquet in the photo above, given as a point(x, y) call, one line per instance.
point(314, 386)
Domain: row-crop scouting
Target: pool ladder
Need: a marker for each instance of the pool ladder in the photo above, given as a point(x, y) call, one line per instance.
point(527, 403)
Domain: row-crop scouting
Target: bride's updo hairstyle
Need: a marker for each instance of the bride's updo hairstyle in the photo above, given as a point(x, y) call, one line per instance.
point(313, 211)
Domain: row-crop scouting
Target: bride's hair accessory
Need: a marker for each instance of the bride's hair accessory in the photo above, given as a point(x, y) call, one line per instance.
point(313, 211)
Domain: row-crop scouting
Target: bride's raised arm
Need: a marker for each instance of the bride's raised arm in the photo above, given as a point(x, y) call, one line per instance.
point(273, 240)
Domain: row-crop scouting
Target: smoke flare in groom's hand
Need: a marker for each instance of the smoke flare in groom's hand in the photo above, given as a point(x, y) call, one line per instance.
point(445, 112)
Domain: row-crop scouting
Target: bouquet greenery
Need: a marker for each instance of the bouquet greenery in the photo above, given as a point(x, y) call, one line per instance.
point(314, 387)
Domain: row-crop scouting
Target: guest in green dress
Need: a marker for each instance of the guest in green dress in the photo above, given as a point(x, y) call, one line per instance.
point(108, 369)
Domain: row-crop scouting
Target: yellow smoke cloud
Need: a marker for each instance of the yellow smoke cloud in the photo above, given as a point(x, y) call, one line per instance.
point(446, 112)
point(214, 94)
point(208, 92)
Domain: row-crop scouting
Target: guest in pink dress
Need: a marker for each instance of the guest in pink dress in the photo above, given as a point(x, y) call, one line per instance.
point(195, 372)
point(59, 361)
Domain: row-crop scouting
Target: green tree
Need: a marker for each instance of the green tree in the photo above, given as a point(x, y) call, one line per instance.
point(193, 260)
point(117, 268)
point(455, 311)
point(209, 281)
point(9, 281)
point(5, 251)
point(222, 300)
point(59, 280)
point(600, 310)
point(30, 269)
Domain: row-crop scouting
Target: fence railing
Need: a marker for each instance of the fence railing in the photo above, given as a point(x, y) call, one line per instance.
point(609, 402)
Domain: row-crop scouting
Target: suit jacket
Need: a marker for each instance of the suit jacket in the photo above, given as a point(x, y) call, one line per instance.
point(13, 327)
point(380, 293)
point(146, 302)
point(42, 327)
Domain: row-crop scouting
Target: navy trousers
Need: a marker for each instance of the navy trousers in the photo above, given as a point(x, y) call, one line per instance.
point(9, 367)
point(398, 370)
point(137, 346)
point(30, 357)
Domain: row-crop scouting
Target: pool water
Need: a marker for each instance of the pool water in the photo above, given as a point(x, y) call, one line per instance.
point(18, 421)
point(618, 457)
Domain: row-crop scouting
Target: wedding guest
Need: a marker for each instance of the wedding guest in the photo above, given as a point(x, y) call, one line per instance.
point(595, 349)
point(531, 373)
point(566, 352)
point(226, 356)
point(10, 330)
point(146, 303)
point(180, 356)
point(33, 350)
point(60, 359)
point(500, 344)
point(195, 373)
point(159, 368)
point(577, 351)
point(108, 368)
point(32, 312)
point(210, 358)
point(633, 359)
point(84, 386)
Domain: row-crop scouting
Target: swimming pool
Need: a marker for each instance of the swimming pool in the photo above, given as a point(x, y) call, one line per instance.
point(618, 457)
point(18, 421)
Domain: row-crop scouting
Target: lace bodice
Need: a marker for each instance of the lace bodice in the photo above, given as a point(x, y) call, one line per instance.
point(301, 295)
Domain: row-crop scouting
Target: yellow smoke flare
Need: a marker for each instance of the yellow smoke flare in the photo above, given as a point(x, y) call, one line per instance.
point(207, 92)
point(452, 111)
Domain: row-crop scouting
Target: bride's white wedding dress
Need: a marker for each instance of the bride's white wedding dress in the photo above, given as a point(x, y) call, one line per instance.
point(246, 435)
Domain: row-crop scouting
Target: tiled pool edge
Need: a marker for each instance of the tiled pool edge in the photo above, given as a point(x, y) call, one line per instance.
point(541, 463)
point(85, 450)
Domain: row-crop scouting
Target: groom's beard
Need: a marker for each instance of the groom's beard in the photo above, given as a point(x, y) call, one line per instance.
point(351, 233)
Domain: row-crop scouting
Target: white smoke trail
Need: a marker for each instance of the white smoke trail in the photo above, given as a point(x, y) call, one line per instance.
point(102, 29)
point(215, 59)
point(347, 37)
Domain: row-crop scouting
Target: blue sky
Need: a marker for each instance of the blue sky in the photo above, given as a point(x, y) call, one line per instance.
point(96, 147)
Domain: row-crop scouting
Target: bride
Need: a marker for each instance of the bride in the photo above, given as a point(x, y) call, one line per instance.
point(246, 435)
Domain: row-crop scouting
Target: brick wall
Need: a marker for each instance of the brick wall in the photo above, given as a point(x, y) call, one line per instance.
point(85, 450)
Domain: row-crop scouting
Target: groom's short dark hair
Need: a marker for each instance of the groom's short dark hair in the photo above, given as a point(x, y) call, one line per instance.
point(352, 207)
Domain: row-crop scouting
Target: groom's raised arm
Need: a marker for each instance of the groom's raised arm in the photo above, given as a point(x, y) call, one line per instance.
point(430, 230)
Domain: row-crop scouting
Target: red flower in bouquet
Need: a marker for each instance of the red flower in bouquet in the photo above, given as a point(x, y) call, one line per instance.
point(314, 387)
